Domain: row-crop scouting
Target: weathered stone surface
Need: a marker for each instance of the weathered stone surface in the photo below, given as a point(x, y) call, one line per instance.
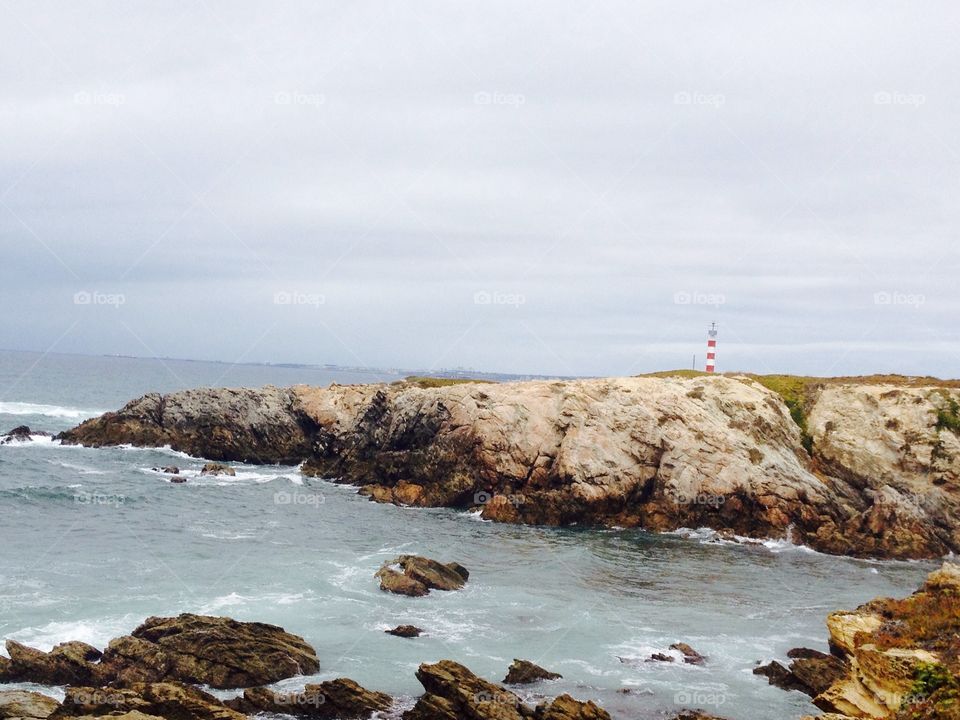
point(565, 707)
point(341, 698)
point(217, 469)
point(26, 705)
point(454, 693)
point(420, 575)
point(167, 700)
point(215, 651)
point(266, 425)
point(19, 434)
point(882, 478)
point(67, 663)
point(523, 672)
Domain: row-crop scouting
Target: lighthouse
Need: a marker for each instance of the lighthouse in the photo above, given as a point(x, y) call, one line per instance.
point(711, 347)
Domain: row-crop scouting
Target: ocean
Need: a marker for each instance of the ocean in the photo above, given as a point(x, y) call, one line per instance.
point(94, 541)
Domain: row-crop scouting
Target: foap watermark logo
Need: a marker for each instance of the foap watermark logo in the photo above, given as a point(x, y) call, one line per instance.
point(301, 699)
point(496, 297)
point(699, 698)
point(96, 697)
point(97, 498)
point(107, 99)
point(896, 297)
point(95, 297)
point(513, 100)
point(692, 97)
point(286, 497)
point(287, 297)
point(487, 498)
point(684, 297)
point(301, 99)
point(496, 698)
point(888, 97)
point(711, 500)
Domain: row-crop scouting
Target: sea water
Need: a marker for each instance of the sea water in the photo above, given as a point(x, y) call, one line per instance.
point(93, 541)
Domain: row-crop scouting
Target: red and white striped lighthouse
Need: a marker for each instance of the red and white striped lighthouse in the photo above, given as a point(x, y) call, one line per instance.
point(711, 347)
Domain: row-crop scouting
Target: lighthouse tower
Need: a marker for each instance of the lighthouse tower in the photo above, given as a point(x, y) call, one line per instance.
point(711, 347)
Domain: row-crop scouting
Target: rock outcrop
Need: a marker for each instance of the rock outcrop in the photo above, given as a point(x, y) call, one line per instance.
point(341, 698)
point(416, 576)
point(860, 467)
point(894, 658)
point(165, 700)
point(405, 631)
point(215, 651)
point(19, 434)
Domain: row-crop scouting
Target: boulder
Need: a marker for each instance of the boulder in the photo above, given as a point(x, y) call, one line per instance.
point(420, 575)
point(26, 705)
point(566, 708)
point(406, 631)
point(690, 656)
point(523, 672)
point(168, 470)
point(217, 469)
point(341, 698)
point(166, 700)
point(69, 663)
point(215, 651)
point(454, 693)
point(178, 479)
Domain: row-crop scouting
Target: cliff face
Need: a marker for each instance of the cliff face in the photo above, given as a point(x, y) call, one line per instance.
point(652, 452)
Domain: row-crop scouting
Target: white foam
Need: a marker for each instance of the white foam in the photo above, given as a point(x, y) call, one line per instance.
point(95, 632)
point(58, 411)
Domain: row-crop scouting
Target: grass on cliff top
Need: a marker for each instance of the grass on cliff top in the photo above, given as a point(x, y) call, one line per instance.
point(437, 382)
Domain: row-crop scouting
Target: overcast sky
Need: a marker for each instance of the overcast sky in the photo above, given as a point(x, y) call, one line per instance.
point(557, 187)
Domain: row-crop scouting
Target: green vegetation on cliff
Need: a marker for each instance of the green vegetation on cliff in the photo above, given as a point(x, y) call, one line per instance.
point(437, 382)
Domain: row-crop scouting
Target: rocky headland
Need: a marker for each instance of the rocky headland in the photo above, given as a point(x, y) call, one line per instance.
point(856, 466)
point(889, 658)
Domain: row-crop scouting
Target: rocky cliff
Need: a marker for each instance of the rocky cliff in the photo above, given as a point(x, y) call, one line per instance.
point(855, 466)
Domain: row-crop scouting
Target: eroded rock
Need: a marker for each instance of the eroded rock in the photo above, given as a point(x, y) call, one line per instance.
point(341, 698)
point(25, 704)
point(524, 672)
point(418, 575)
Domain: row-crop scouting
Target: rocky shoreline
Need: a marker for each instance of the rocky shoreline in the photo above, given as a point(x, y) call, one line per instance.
point(896, 659)
point(863, 467)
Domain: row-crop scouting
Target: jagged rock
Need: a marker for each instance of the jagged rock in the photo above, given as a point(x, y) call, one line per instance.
point(27, 705)
point(565, 707)
point(810, 671)
point(406, 631)
point(166, 700)
point(217, 469)
point(341, 698)
point(878, 475)
point(454, 693)
point(21, 433)
point(779, 675)
point(660, 657)
point(68, 663)
point(215, 651)
point(523, 672)
point(690, 656)
point(420, 575)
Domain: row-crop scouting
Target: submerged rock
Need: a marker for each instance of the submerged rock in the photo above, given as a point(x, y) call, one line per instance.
point(406, 631)
point(420, 575)
point(25, 704)
point(20, 434)
point(523, 672)
point(217, 469)
point(690, 656)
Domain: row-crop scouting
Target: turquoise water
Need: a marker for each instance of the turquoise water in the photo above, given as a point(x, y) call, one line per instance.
point(93, 541)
